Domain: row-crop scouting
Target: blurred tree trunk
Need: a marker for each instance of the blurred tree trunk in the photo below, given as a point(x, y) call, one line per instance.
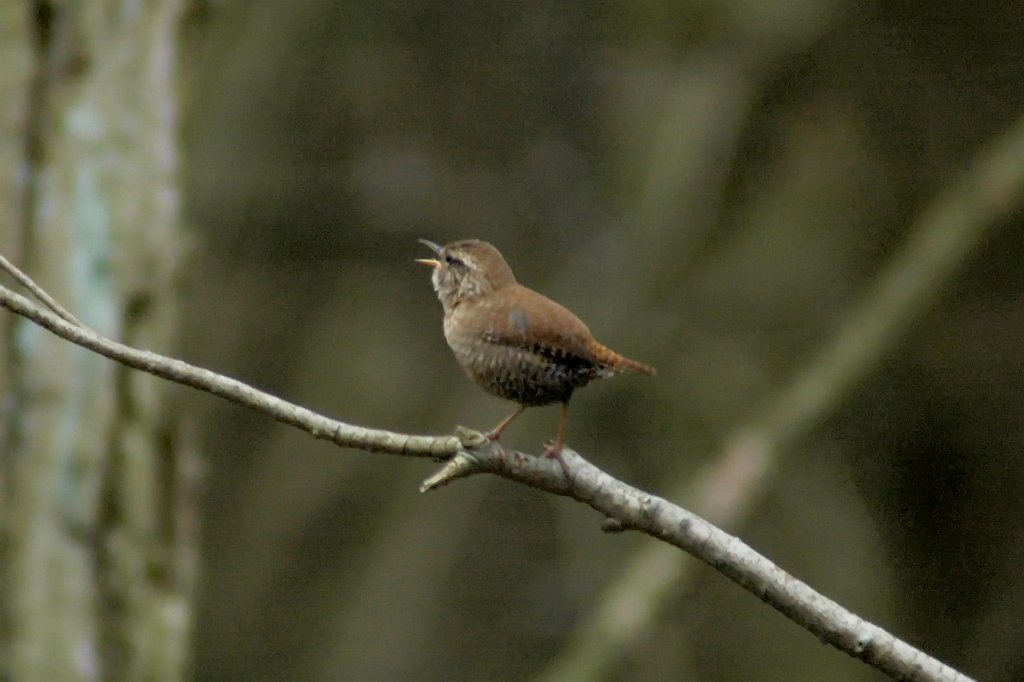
point(96, 552)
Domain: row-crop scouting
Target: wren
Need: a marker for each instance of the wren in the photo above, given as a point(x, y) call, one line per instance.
point(514, 342)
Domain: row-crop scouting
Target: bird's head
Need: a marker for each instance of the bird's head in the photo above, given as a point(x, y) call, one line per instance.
point(466, 269)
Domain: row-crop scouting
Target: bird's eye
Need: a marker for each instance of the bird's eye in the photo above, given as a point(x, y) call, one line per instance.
point(451, 260)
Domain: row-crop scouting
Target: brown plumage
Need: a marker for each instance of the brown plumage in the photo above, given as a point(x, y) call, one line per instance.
point(514, 342)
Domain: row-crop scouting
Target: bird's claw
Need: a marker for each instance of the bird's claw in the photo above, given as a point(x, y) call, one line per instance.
point(551, 451)
point(470, 438)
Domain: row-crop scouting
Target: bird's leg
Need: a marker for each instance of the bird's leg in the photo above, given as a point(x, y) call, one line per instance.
point(555, 451)
point(495, 433)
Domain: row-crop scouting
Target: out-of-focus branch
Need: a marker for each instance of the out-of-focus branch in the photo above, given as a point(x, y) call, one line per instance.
point(943, 238)
point(628, 507)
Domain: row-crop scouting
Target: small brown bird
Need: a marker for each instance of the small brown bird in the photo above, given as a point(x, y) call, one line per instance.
point(514, 342)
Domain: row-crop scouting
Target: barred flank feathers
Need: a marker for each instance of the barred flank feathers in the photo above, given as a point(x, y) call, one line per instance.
point(609, 360)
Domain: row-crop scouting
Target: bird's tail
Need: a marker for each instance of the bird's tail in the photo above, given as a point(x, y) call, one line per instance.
point(613, 363)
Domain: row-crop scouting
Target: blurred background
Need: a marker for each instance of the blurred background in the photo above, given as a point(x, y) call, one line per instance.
point(712, 186)
point(716, 188)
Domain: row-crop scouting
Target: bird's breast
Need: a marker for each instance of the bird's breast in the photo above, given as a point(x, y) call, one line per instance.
point(518, 371)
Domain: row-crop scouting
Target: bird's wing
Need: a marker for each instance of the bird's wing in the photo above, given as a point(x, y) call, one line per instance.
point(528, 320)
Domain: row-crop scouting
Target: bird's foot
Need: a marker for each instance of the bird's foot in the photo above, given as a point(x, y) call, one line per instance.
point(495, 437)
point(471, 437)
point(554, 451)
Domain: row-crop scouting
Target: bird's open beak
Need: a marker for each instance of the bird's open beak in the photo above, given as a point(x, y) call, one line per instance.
point(432, 262)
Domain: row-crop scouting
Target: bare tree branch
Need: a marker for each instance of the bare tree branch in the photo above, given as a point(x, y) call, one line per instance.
point(628, 508)
point(345, 435)
point(37, 291)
